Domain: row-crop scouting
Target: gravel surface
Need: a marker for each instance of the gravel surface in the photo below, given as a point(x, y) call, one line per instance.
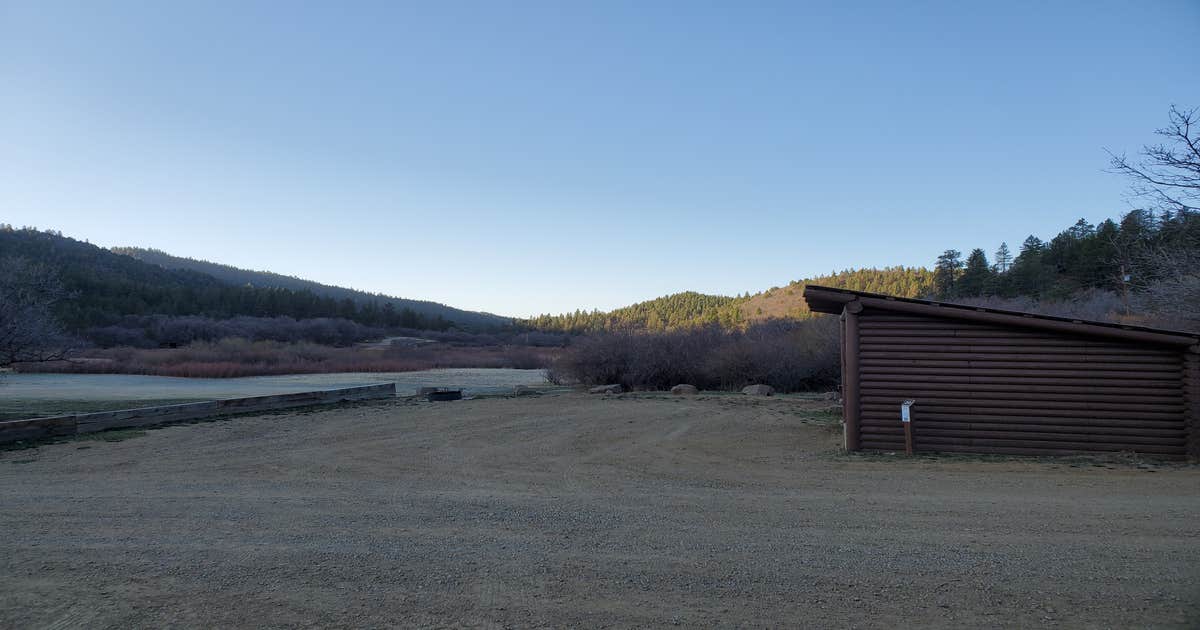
point(575, 510)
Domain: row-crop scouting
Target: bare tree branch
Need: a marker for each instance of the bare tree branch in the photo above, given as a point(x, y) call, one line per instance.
point(29, 332)
point(1168, 173)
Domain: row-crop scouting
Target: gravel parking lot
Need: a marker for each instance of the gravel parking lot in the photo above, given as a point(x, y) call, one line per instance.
point(574, 510)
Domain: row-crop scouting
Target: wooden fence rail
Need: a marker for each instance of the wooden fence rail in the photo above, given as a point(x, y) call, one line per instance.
point(76, 424)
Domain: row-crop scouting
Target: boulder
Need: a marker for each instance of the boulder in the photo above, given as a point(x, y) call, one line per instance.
point(607, 389)
point(685, 390)
point(758, 390)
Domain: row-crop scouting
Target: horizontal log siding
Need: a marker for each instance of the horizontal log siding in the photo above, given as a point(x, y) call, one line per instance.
point(987, 388)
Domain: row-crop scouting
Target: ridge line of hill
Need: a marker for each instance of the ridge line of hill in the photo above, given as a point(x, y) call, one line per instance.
point(108, 286)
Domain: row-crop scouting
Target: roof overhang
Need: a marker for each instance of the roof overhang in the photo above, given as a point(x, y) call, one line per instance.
point(832, 300)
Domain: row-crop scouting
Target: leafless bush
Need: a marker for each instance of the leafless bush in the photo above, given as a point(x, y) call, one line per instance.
point(1093, 304)
point(29, 331)
point(1174, 292)
point(596, 359)
point(1171, 300)
point(240, 357)
point(788, 355)
point(152, 331)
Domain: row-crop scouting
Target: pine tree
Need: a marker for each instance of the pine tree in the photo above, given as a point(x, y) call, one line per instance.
point(1081, 230)
point(1028, 275)
point(976, 277)
point(1003, 259)
point(945, 273)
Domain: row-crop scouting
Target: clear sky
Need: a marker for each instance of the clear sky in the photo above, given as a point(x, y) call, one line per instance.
point(526, 157)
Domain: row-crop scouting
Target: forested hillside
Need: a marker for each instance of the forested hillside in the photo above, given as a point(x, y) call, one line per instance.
point(788, 302)
point(679, 310)
point(105, 287)
point(265, 279)
point(1136, 253)
point(690, 309)
point(1147, 260)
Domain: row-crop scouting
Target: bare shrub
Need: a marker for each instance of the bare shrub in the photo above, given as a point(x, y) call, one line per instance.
point(788, 355)
point(29, 331)
point(240, 357)
point(1173, 293)
point(152, 331)
point(1169, 301)
point(593, 359)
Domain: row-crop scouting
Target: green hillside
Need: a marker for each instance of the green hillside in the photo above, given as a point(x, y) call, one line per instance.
point(690, 309)
point(680, 310)
point(788, 302)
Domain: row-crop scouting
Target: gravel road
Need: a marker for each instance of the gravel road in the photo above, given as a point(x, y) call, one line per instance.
point(570, 510)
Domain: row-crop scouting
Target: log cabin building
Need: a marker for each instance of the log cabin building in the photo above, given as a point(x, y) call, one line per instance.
point(994, 381)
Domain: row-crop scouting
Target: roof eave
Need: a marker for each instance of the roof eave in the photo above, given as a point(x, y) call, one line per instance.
point(830, 300)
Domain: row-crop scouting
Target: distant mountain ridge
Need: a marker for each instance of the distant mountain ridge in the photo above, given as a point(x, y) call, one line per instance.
point(107, 287)
point(266, 279)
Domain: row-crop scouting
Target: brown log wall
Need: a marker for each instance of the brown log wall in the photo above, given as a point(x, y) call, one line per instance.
point(992, 388)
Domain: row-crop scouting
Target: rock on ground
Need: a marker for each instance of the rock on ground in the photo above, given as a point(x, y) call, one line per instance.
point(685, 390)
point(607, 389)
point(758, 390)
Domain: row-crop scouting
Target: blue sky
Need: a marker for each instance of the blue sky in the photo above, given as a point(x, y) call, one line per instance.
point(540, 157)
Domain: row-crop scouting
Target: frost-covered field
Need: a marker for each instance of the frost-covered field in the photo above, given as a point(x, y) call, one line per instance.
point(30, 395)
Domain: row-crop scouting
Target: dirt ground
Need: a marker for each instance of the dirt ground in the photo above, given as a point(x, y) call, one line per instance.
point(589, 511)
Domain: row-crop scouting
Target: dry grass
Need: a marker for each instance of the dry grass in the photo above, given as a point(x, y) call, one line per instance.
point(572, 510)
point(237, 357)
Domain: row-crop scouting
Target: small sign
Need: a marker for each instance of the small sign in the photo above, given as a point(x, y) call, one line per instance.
point(905, 415)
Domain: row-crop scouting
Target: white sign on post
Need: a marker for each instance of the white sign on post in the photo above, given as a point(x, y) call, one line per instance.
point(905, 416)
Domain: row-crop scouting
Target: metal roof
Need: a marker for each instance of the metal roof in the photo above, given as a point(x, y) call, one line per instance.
point(832, 300)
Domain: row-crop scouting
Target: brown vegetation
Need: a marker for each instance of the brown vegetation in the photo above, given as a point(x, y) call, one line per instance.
point(238, 357)
point(1165, 304)
point(788, 355)
point(28, 330)
point(794, 355)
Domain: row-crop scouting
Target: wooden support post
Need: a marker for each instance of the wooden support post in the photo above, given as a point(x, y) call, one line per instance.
point(850, 377)
point(906, 420)
point(1191, 397)
point(842, 372)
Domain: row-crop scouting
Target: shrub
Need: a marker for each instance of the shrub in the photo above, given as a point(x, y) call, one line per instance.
point(240, 357)
point(788, 355)
point(152, 331)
